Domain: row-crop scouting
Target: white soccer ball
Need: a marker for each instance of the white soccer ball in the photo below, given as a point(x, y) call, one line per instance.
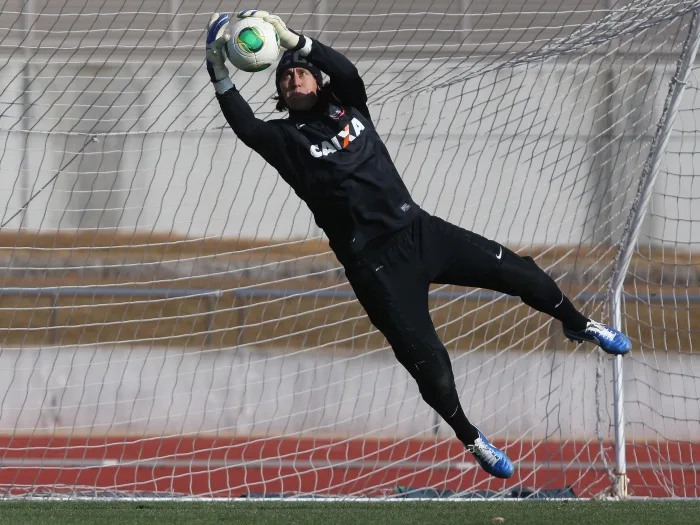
point(253, 45)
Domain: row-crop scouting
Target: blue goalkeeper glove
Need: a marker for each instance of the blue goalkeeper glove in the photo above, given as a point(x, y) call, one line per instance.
point(216, 52)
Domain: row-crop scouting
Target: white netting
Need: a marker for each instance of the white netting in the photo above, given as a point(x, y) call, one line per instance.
point(173, 320)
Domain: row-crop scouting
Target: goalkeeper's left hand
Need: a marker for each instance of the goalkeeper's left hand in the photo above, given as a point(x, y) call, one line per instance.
point(288, 39)
point(216, 43)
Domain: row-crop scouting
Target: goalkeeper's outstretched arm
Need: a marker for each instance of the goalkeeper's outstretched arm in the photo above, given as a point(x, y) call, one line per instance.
point(346, 82)
point(257, 134)
point(253, 132)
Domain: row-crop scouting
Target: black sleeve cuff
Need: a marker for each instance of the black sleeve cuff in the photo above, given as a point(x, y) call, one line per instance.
point(302, 42)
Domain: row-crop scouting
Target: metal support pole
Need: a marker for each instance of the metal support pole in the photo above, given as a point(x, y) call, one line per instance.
point(211, 301)
point(24, 184)
point(53, 326)
point(320, 17)
point(174, 28)
point(207, 321)
point(633, 226)
point(465, 22)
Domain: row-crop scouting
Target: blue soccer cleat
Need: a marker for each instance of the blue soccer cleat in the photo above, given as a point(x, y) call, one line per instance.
point(491, 459)
point(610, 340)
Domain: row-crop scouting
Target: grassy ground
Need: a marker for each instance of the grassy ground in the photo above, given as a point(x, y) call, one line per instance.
point(404, 513)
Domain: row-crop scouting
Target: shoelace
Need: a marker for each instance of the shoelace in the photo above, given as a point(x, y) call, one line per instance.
point(482, 450)
point(602, 330)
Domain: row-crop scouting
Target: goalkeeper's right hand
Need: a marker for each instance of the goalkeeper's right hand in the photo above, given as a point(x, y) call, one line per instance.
point(216, 53)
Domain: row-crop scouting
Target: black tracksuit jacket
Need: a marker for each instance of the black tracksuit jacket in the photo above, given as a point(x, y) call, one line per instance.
point(334, 160)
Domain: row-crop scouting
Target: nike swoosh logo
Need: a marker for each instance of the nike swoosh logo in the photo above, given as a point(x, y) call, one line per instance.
point(299, 126)
point(500, 252)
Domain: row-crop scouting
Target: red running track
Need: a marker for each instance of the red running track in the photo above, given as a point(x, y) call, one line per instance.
point(233, 467)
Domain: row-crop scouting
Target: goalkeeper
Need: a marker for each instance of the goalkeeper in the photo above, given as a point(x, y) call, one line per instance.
point(329, 152)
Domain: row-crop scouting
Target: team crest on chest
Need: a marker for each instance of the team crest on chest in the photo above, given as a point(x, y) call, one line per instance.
point(335, 112)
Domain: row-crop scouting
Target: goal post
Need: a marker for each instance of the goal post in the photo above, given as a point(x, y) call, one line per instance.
point(174, 323)
point(633, 228)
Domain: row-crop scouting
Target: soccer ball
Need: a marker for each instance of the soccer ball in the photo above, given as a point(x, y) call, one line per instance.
point(253, 45)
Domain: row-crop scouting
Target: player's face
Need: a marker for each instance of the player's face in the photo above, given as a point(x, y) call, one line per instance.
point(299, 88)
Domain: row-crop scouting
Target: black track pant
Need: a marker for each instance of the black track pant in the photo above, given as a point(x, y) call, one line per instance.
point(392, 285)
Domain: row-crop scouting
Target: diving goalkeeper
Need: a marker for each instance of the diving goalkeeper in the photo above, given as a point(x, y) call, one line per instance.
point(329, 152)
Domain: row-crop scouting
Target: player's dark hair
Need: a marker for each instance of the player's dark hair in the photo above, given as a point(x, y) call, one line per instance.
point(324, 93)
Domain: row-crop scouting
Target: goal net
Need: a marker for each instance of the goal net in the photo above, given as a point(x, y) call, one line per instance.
point(174, 323)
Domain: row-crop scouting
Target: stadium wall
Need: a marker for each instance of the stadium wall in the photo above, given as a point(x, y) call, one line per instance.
point(256, 390)
point(170, 164)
